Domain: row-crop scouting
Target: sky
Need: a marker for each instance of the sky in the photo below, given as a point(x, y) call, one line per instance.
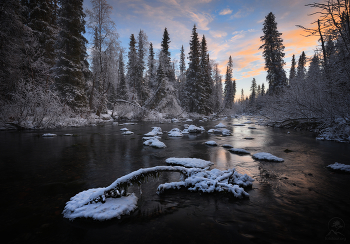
point(230, 27)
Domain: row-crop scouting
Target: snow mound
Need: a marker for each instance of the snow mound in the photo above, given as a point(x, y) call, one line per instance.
point(211, 143)
point(189, 120)
point(154, 142)
point(150, 137)
point(214, 180)
point(186, 125)
point(185, 131)
point(226, 132)
point(175, 120)
point(124, 129)
point(49, 135)
point(189, 162)
point(267, 156)
point(220, 125)
point(340, 167)
point(227, 146)
point(112, 208)
point(238, 151)
point(127, 133)
point(175, 132)
point(195, 129)
point(155, 131)
point(211, 131)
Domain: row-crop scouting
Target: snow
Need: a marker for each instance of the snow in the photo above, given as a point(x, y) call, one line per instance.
point(48, 135)
point(211, 143)
point(154, 142)
point(341, 167)
point(175, 132)
point(175, 120)
point(150, 137)
point(227, 146)
point(186, 126)
point(189, 120)
point(211, 131)
point(267, 156)
point(214, 180)
point(155, 131)
point(220, 125)
point(112, 208)
point(124, 129)
point(238, 151)
point(189, 162)
point(185, 131)
point(226, 132)
point(127, 133)
point(107, 203)
point(195, 129)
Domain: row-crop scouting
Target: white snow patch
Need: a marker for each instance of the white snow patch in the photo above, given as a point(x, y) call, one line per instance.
point(127, 133)
point(175, 133)
point(226, 132)
point(211, 131)
point(124, 129)
point(153, 142)
point(267, 156)
point(195, 129)
point(341, 167)
point(220, 125)
point(112, 208)
point(49, 135)
point(211, 143)
point(239, 151)
point(189, 162)
point(155, 131)
point(189, 120)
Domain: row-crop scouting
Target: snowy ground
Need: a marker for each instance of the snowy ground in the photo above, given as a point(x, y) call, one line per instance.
point(340, 167)
point(267, 156)
point(189, 162)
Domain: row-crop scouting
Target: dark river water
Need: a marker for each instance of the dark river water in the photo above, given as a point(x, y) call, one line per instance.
point(290, 202)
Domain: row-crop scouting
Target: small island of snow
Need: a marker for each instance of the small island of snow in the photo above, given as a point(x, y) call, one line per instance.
point(267, 156)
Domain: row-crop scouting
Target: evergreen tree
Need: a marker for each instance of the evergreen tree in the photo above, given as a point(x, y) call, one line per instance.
point(205, 82)
point(182, 61)
point(152, 69)
point(301, 70)
point(122, 91)
point(258, 91)
point(292, 72)
point(141, 88)
point(262, 89)
point(217, 91)
point(253, 88)
point(273, 54)
point(228, 92)
point(71, 66)
point(234, 88)
point(242, 95)
point(132, 69)
point(191, 99)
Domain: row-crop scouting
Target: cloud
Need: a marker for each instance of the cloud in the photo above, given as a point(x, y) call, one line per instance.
point(226, 11)
point(218, 34)
point(202, 20)
point(242, 13)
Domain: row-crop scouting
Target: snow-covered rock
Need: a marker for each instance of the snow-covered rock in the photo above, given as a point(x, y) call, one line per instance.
point(49, 135)
point(186, 126)
point(189, 120)
point(175, 120)
point(127, 133)
point(211, 143)
point(226, 132)
point(189, 162)
point(185, 131)
point(211, 131)
point(220, 125)
point(112, 208)
point(227, 146)
point(267, 156)
point(155, 131)
point(195, 129)
point(239, 151)
point(154, 143)
point(124, 129)
point(150, 137)
point(175, 133)
point(340, 167)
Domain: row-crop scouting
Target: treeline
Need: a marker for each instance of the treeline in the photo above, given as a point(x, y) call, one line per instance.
point(46, 73)
point(318, 92)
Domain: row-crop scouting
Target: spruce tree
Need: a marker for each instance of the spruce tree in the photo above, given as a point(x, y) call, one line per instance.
point(292, 72)
point(253, 88)
point(273, 54)
point(234, 88)
point(182, 61)
point(191, 98)
point(152, 69)
point(141, 89)
point(263, 89)
point(205, 82)
point(228, 92)
point(132, 69)
point(217, 92)
point(301, 70)
point(122, 91)
point(71, 65)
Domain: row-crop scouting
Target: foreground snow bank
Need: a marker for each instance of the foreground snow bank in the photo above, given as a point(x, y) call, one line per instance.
point(113, 201)
point(189, 162)
point(267, 156)
point(340, 167)
point(154, 142)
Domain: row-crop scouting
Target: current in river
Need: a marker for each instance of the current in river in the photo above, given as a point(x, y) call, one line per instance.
point(296, 201)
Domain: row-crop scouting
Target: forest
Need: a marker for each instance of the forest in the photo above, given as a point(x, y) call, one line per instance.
point(52, 76)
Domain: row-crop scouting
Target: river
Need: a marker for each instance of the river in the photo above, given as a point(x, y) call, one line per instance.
point(290, 202)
